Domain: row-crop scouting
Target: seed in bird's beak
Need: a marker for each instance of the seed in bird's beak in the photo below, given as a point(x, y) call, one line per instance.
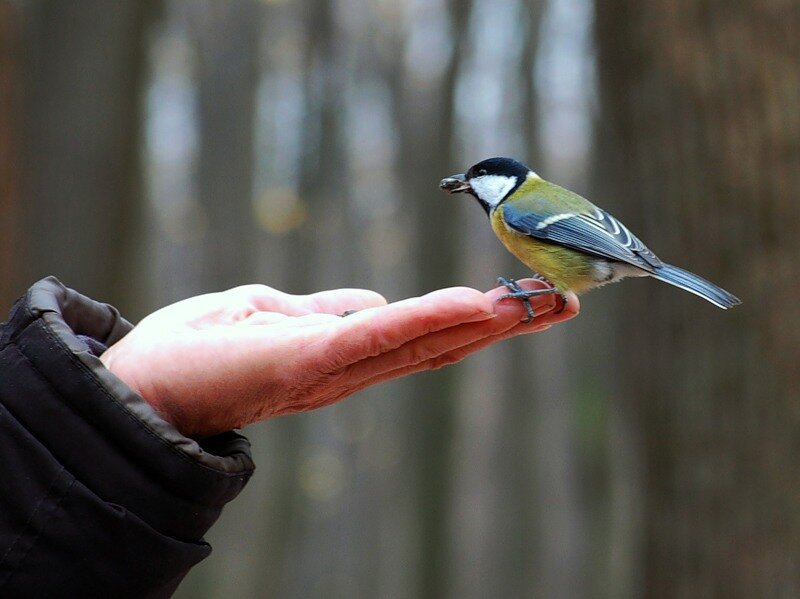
point(455, 184)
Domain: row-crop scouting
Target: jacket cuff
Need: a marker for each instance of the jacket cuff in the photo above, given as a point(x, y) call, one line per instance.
point(102, 432)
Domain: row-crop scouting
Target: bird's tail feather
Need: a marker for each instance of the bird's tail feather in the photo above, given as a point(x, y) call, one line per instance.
point(697, 285)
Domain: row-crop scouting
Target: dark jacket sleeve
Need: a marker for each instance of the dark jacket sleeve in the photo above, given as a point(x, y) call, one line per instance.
point(99, 496)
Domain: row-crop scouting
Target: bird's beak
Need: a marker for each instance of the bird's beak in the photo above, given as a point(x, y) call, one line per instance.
point(455, 184)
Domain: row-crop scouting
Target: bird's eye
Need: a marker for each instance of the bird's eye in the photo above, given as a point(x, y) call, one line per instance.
point(481, 172)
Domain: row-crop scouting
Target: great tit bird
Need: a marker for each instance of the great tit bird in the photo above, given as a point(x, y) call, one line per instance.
point(564, 238)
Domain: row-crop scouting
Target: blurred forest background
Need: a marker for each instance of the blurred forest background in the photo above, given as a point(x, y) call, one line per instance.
point(155, 149)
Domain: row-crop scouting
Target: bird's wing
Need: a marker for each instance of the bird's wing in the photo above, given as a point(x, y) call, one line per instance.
point(593, 231)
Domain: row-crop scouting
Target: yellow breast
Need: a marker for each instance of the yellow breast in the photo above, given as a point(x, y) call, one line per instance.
point(567, 269)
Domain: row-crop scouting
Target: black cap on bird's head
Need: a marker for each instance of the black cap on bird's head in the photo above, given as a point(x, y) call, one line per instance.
point(504, 167)
point(490, 181)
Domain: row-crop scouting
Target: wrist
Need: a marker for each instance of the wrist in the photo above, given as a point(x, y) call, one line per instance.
point(118, 366)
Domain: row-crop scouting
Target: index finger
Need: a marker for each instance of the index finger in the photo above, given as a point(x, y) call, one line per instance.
point(376, 330)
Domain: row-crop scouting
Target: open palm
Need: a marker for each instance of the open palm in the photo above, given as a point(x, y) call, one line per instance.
point(223, 360)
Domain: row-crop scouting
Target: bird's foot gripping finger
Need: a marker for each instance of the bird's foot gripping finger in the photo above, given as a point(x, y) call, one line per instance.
point(519, 293)
point(563, 296)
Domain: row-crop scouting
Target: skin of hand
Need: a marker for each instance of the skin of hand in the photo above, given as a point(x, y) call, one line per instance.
point(220, 361)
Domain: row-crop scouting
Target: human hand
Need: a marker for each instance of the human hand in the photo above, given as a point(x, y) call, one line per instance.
point(219, 361)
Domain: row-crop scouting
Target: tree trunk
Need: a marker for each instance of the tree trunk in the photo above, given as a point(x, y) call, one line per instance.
point(80, 168)
point(425, 123)
point(228, 43)
point(701, 143)
point(9, 159)
point(516, 510)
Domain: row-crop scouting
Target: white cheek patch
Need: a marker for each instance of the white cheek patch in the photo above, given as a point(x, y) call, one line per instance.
point(492, 188)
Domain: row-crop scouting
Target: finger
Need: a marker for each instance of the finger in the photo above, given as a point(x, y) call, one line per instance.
point(437, 343)
point(225, 307)
point(539, 324)
point(306, 320)
point(337, 301)
point(245, 301)
point(540, 304)
point(261, 298)
point(561, 312)
point(374, 331)
point(453, 345)
point(450, 357)
point(264, 318)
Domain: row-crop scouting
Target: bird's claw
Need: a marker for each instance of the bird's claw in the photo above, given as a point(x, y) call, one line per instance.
point(564, 299)
point(519, 293)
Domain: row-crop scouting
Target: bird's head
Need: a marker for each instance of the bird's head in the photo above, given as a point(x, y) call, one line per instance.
point(490, 181)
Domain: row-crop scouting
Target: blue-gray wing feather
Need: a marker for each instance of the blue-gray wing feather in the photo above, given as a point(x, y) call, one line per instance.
point(594, 232)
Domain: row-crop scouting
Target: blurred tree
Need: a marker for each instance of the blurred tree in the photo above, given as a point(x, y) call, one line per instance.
point(82, 77)
point(516, 510)
point(423, 92)
point(9, 160)
point(316, 558)
point(556, 562)
point(228, 36)
point(324, 162)
point(701, 139)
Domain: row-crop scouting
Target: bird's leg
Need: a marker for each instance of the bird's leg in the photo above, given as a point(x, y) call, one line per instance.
point(519, 293)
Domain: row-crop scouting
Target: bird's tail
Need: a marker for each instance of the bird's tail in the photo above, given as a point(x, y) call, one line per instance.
point(697, 285)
